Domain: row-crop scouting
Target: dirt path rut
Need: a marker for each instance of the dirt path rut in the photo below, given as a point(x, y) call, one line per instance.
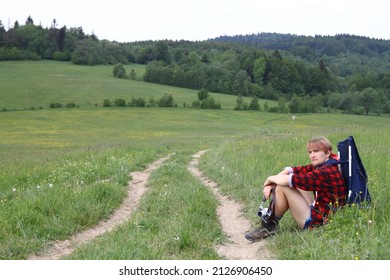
point(233, 223)
point(137, 187)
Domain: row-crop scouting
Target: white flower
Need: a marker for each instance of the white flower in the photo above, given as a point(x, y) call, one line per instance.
point(13, 189)
point(50, 185)
point(38, 187)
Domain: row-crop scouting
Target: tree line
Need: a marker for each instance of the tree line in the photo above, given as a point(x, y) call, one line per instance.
point(238, 69)
point(306, 76)
point(34, 42)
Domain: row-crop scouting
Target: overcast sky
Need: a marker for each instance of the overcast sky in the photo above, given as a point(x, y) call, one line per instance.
point(138, 20)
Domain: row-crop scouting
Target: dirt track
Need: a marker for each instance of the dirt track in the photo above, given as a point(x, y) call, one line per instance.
point(233, 223)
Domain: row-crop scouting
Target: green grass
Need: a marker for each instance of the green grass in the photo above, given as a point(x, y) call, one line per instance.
point(176, 220)
point(354, 233)
point(30, 84)
point(63, 170)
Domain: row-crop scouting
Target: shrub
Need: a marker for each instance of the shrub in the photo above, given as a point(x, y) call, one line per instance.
point(203, 94)
point(137, 102)
point(240, 104)
point(15, 54)
point(196, 104)
point(55, 105)
point(106, 103)
point(209, 103)
point(119, 71)
point(119, 102)
point(166, 101)
point(133, 74)
point(254, 105)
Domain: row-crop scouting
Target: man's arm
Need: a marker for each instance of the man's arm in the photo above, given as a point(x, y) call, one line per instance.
point(280, 179)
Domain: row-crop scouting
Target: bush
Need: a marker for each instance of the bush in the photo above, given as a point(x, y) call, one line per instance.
point(203, 94)
point(166, 101)
point(209, 103)
point(61, 56)
point(11, 54)
point(119, 102)
point(196, 104)
point(119, 71)
point(133, 74)
point(106, 103)
point(254, 105)
point(137, 102)
point(55, 105)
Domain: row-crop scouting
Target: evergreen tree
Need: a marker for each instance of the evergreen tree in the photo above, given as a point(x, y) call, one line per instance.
point(61, 38)
point(162, 52)
point(29, 21)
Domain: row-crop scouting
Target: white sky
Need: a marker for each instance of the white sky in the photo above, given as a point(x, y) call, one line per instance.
point(138, 20)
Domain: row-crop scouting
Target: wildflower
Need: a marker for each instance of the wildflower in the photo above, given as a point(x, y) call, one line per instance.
point(50, 185)
point(356, 258)
point(38, 187)
point(13, 189)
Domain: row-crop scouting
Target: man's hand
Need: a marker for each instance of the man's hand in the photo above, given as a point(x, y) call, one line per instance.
point(280, 179)
point(267, 190)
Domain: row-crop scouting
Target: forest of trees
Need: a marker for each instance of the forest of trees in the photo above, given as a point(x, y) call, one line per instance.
point(307, 74)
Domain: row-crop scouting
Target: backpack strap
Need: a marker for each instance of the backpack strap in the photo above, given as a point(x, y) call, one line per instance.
point(331, 161)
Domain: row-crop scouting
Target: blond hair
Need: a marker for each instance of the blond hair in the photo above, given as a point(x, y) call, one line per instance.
point(320, 143)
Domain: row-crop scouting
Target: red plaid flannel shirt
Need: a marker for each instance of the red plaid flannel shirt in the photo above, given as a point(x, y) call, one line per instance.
point(328, 187)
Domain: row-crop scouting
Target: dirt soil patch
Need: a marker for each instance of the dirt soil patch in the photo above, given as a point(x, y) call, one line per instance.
point(233, 223)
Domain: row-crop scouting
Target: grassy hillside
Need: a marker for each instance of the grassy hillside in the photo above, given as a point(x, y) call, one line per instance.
point(63, 170)
point(31, 84)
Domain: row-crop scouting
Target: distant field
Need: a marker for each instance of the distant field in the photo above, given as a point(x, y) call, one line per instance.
point(63, 170)
point(29, 84)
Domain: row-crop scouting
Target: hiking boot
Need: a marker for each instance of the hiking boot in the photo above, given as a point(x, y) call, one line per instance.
point(260, 233)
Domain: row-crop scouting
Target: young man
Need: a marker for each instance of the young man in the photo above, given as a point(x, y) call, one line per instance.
point(293, 186)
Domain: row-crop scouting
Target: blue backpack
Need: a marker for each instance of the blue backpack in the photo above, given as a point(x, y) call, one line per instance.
point(353, 172)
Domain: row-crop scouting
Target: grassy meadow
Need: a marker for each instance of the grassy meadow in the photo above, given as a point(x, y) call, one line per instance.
point(63, 170)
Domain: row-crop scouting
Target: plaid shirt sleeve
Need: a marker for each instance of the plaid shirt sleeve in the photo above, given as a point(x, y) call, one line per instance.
point(326, 178)
point(326, 182)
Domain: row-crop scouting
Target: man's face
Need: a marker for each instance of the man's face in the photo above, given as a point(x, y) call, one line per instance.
point(317, 156)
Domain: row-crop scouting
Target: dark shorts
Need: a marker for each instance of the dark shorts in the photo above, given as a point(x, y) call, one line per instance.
point(307, 223)
point(308, 220)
